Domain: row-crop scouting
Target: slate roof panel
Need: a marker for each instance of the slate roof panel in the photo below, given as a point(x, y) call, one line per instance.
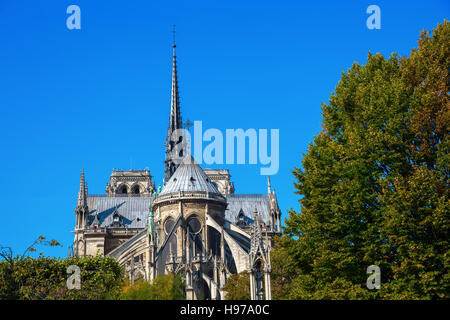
point(247, 203)
point(133, 210)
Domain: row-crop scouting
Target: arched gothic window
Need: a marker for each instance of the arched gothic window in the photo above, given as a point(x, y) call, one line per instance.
point(195, 233)
point(136, 190)
point(168, 225)
point(123, 189)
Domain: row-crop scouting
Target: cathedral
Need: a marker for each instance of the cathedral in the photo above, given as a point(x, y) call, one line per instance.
point(195, 225)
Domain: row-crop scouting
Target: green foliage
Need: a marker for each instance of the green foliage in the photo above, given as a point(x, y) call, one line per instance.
point(167, 287)
point(237, 286)
point(26, 278)
point(46, 278)
point(375, 184)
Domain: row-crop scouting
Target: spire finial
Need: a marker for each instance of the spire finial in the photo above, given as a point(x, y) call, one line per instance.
point(173, 45)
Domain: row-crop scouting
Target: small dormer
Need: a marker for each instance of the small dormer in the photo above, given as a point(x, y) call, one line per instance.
point(95, 223)
point(240, 219)
point(117, 220)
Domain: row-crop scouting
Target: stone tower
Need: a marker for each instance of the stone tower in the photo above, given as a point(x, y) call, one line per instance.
point(130, 182)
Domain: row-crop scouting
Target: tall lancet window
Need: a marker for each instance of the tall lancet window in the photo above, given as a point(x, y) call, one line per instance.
point(168, 225)
point(195, 233)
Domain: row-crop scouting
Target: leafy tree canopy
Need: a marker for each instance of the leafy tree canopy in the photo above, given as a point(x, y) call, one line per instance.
point(237, 286)
point(46, 278)
point(375, 184)
point(167, 287)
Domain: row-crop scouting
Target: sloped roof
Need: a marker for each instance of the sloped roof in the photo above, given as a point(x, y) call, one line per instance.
point(133, 211)
point(247, 203)
point(189, 177)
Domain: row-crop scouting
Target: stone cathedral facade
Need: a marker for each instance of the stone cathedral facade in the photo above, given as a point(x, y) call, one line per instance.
point(195, 225)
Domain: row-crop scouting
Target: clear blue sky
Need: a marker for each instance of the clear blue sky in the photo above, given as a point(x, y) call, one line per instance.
point(100, 96)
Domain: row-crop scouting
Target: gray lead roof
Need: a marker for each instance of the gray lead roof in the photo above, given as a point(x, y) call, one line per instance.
point(133, 211)
point(189, 177)
point(247, 203)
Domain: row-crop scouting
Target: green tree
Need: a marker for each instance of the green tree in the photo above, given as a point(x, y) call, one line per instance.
point(25, 277)
point(167, 287)
point(237, 286)
point(46, 278)
point(284, 268)
point(9, 288)
point(375, 184)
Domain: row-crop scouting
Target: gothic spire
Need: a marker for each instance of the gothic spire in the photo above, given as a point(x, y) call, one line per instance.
point(175, 116)
point(175, 122)
point(82, 192)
